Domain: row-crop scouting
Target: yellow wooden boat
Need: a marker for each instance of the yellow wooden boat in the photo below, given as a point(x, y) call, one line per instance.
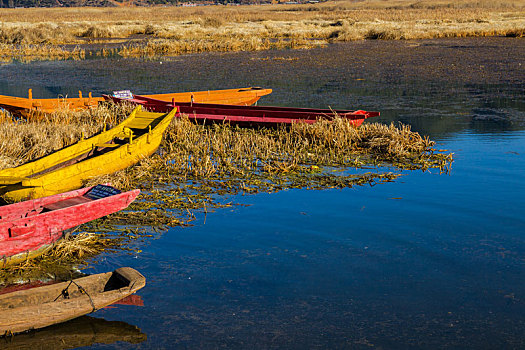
point(135, 138)
point(30, 106)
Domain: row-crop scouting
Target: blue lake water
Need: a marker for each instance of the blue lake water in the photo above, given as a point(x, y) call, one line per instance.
point(426, 261)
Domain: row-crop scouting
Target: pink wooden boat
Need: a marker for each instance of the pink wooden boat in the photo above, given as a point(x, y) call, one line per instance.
point(29, 228)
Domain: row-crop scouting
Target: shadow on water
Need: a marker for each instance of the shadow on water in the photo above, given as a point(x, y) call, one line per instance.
point(83, 331)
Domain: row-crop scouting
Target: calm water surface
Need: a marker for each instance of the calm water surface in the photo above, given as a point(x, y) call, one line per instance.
point(428, 261)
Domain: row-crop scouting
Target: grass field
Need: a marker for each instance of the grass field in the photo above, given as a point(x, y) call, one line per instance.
point(155, 31)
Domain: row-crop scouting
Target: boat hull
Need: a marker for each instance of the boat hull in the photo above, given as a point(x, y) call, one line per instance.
point(18, 258)
point(47, 305)
point(241, 97)
point(30, 107)
point(33, 180)
point(246, 115)
point(30, 228)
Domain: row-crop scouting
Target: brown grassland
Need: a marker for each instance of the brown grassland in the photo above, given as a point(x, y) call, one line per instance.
point(151, 31)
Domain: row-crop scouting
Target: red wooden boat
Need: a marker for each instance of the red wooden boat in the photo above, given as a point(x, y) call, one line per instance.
point(27, 229)
point(246, 115)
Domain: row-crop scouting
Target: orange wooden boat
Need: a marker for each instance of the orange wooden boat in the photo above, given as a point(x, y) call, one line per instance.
point(28, 107)
point(242, 97)
point(34, 106)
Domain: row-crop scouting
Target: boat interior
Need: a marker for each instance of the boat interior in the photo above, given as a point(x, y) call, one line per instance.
point(91, 285)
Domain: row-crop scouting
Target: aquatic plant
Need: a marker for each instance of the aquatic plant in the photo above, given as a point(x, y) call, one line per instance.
point(198, 166)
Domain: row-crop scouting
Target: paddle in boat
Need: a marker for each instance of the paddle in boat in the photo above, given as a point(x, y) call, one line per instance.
point(28, 229)
point(55, 303)
point(67, 169)
point(244, 115)
point(29, 107)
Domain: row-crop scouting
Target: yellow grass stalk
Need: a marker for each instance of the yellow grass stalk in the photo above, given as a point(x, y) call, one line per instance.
point(176, 30)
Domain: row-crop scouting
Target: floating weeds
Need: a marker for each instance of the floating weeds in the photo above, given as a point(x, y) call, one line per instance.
point(199, 166)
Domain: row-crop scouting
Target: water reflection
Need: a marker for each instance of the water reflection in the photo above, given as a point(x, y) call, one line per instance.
point(83, 331)
point(440, 86)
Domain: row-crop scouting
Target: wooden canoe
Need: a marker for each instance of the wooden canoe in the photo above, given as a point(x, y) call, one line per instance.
point(134, 139)
point(28, 229)
point(133, 299)
point(246, 115)
point(34, 106)
point(47, 305)
point(80, 332)
point(242, 97)
point(30, 106)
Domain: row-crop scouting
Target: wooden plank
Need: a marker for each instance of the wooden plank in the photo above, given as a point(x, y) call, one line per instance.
point(67, 203)
point(9, 180)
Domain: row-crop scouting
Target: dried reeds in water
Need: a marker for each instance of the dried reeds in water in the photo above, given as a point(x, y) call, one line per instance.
point(197, 165)
point(60, 261)
point(22, 140)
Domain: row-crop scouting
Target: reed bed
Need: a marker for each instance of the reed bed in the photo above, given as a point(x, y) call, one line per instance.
point(61, 261)
point(22, 141)
point(199, 166)
point(38, 52)
point(174, 30)
point(163, 47)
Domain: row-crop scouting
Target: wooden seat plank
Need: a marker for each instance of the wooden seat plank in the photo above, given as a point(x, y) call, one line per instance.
point(67, 203)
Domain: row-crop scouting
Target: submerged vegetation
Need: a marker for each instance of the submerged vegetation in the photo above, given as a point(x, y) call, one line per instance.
point(154, 31)
point(199, 166)
point(32, 52)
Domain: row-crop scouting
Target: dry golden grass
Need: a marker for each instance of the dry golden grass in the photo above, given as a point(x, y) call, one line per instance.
point(216, 148)
point(61, 261)
point(219, 151)
point(32, 52)
point(22, 141)
point(176, 30)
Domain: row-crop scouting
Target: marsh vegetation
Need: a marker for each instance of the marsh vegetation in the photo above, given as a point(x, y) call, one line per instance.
point(199, 166)
point(154, 31)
